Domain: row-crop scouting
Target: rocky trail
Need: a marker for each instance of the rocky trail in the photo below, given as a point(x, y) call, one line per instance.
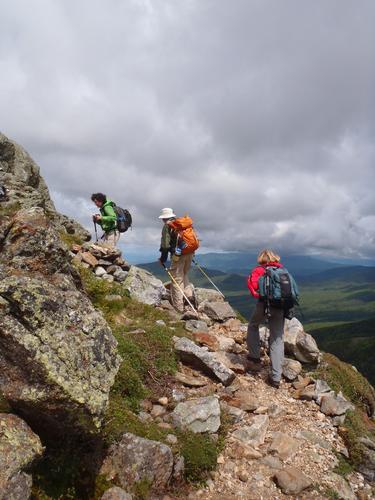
point(152, 404)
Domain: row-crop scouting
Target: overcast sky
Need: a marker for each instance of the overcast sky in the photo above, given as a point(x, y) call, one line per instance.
point(254, 116)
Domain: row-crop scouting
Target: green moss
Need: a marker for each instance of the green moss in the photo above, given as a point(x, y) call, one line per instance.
point(142, 489)
point(70, 239)
point(200, 453)
point(9, 209)
point(101, 486)
point(342, 377)
point(344, 467)
point(331, 494)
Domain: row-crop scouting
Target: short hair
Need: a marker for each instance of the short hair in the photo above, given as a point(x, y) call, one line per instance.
point(268, 255)
point(99, 197)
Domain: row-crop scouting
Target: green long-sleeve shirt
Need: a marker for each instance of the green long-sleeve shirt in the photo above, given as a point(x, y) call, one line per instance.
point(108, 221)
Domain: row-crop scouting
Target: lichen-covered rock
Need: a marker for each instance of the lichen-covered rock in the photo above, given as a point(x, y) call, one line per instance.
point(135, 459)
point(200, 358)
point(19, 447)
point(199, 415)
point(300, 344)
point(291, 368)
point(255, 433)
point(206, 294)
point(27, 189)
point(218, 311)
point(144, 286)
point(58, 357)
point(335, 405)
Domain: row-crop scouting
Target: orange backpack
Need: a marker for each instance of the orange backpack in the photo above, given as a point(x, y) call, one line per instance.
point(184, 228)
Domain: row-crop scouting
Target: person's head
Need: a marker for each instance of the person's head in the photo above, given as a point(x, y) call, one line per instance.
point(265, 256)
point(99, 199)
point(166, 215)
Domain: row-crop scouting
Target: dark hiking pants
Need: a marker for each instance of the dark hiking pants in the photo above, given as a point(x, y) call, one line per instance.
point(276, 327)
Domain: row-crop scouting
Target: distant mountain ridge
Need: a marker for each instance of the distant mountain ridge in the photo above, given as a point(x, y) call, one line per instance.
point(243, 262)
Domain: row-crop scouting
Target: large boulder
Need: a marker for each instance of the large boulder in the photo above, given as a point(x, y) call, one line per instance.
point(218, 311)
point(200, 358)
point(300, 344)
point(136, 459)
point(27, 189)
point(206, 294)
point(58, 357)
point(199, 415)
point(19, 447)
point(144, 286)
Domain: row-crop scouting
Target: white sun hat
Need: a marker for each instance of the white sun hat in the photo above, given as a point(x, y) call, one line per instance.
point(166, 213)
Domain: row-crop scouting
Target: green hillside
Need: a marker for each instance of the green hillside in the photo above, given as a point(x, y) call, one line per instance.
point(351, 342)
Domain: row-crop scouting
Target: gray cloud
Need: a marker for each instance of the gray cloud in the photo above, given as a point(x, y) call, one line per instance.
point(255, 117)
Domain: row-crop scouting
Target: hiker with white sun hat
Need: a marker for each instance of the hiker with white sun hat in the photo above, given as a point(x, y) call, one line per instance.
point(179, 240)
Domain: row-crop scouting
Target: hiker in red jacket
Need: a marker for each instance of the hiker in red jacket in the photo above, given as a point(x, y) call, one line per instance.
point(276, 322)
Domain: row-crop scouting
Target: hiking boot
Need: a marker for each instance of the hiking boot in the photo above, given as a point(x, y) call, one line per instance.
point(254, 364)
point(273, 383)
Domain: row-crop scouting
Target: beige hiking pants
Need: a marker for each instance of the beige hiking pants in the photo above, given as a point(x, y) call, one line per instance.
point(179, 270)
point(110, 239)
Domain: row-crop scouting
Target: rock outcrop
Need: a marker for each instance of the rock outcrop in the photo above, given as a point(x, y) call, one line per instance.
point(27, 189)
point(58, 358)
point(19, 447)
point(134, 459)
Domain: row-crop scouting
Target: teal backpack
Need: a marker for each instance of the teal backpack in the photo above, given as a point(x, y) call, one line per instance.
point(277, 288)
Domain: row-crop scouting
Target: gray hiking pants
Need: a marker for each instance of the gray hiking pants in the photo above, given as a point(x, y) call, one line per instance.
point(276, 326)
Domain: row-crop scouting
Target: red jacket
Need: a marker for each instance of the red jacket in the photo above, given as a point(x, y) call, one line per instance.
point(256, 273)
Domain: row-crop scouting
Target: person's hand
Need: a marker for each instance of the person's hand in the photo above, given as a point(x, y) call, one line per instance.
point(97, 217)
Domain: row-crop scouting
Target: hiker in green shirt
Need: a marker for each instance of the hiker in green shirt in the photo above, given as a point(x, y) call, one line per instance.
point(106, 219)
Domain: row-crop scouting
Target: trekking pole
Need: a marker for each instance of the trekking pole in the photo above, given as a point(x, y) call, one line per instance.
point(178, 286)
point(96, 232)
point(209, 279)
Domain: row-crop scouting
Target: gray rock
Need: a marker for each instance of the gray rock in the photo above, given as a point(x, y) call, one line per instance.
point(284, 446)
point(314, 439)
point(254, 434)
point(120, 275)
point(19, 447)
point(116, 493)
point(27, 188)
point(321, 387)
point(100, 271)
point(367, 466)
point(341, 487)
point(178, 469)
point(160, 322)
point(300, 344)
point(271, 462)
point(235, 413)
point(58, 357)
point(206, 294)
point(136, 459)
point(108, 277)
point(112, 269)
point(196, 325)
point(335, 405)
point(144, 287)
point(338, 420)
point(190, 353)
point(218, 311)
point(199, 415)
point(292, 481)
point(291, 368)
